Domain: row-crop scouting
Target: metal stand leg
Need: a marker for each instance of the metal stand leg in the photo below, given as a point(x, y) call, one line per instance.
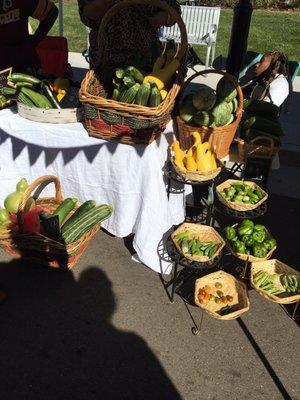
point(174, 282)
point(195, 329)
point(168, 188)
point(293, 315)
point(243, 270)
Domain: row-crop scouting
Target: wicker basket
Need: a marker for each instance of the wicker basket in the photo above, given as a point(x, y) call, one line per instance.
point(220, 137)
point(261, 146)
point(198, 176)
point(274, 266)
point(38, 247)
point(201, 232)
point(129, 123)
point(248, 257)
point(231, 287)
point(239, 206)
point(51, 116)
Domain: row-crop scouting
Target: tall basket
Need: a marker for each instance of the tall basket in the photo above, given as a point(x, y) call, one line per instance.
point(220, 138)
point(37, 247)
point(129, 123)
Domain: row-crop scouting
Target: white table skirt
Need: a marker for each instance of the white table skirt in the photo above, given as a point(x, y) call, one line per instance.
point(128, 177)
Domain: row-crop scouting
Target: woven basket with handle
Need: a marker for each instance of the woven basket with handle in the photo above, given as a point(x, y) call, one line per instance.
point(40, 248)
point(274, 267)
point(220, 137)
point(261, 146)
point(198, 176)
point(249, 257)
point(203, 233)
point(239, 206)
point(230, 286)
point(129, 123)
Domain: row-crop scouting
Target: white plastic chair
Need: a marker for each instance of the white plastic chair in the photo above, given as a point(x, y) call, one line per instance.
point(202, 27)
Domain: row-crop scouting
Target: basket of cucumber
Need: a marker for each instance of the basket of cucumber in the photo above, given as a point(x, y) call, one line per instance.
point(276, 281)
point(53, 231)
point(196, 242)
point(221, 296)
point(127, 102)
point(241, 195)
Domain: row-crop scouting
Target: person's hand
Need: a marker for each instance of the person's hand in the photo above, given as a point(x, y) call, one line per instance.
point(159, 19)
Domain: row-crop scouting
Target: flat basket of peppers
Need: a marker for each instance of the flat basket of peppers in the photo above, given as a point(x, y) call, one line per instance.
point(221, 295)
point(51, 231)
point(240, 195)
point(196, 242)
point(249, 241)
point(276, 281)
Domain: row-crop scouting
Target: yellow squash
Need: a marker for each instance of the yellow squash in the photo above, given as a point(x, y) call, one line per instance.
point(163, 76)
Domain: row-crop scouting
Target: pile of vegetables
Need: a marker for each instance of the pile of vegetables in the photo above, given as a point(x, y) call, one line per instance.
point(63, 225)
point(200, 157)
point(207, 107)
point(277, 284)
point(214, 293)
point(132, 86)
point(261, 119)
point(249, 238)
point(190, 244)
point(240, 192)
point(33, 92)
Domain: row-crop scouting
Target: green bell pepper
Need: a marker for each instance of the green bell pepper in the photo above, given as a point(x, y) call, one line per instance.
point(239, 247)
point(248, 240)
point(259, 236)
point(245, 230)
point(259, 250)
point(247, 222)
point(259, 228)
point(270, 243)
point(230, 233)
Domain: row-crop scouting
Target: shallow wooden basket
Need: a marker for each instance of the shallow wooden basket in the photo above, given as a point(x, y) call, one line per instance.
point(239, 206)
point(232, 287)
point(201, 232)
point(248, 257)
point(51, 116)
point(197, 175)
point(274, 266)
point(37, 247)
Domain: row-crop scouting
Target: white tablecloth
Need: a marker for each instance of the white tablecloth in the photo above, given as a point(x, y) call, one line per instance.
point(128, 177)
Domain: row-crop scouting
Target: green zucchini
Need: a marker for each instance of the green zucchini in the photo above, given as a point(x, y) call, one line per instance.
point(115, 94)
point(91, 218)
point(79, 213)
point(50, 95)
point(128, 80)
point(264, 124)
point(155, 97)
point(136, 74)
point(143, 94)
point(8, 91)
point(18, 77)
point(38, 99)
point(120, 72)
point(129, 95)
point(64, 209)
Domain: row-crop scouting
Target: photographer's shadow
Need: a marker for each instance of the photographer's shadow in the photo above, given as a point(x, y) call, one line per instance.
point(57, 340)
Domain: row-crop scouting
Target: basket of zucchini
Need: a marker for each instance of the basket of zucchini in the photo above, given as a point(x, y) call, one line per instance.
point(196, 242)
point(128, 103)
point(55, 231)
point(241, 195)
point(42, 101)
point(276, 281)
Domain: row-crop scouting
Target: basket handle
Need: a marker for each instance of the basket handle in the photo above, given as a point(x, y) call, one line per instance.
point(267, 139)
point(33, 186)
point(217, 71)
point(128, 3)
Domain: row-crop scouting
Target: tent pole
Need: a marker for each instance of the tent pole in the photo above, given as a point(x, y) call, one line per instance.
point(239, 36)
point(61, 18)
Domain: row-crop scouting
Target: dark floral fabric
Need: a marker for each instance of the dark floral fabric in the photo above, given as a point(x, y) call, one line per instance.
point(127, 34)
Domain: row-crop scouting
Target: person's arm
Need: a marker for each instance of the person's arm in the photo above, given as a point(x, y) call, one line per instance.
point(46, 12)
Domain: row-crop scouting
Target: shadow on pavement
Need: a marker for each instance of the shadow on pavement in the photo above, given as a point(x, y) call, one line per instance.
point(57, 340)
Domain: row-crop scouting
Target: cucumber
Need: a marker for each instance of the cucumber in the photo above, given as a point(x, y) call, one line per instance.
point(136, 74)
point(155, 97)
point(8, 91)
point(79, 213)
point(128, 80)
point(18, 77)
point(90, 218)
point(64, 209)
point(143, 94)
point(129, 95)
point(119, 72)
point(22, 98)
point(38, 99)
